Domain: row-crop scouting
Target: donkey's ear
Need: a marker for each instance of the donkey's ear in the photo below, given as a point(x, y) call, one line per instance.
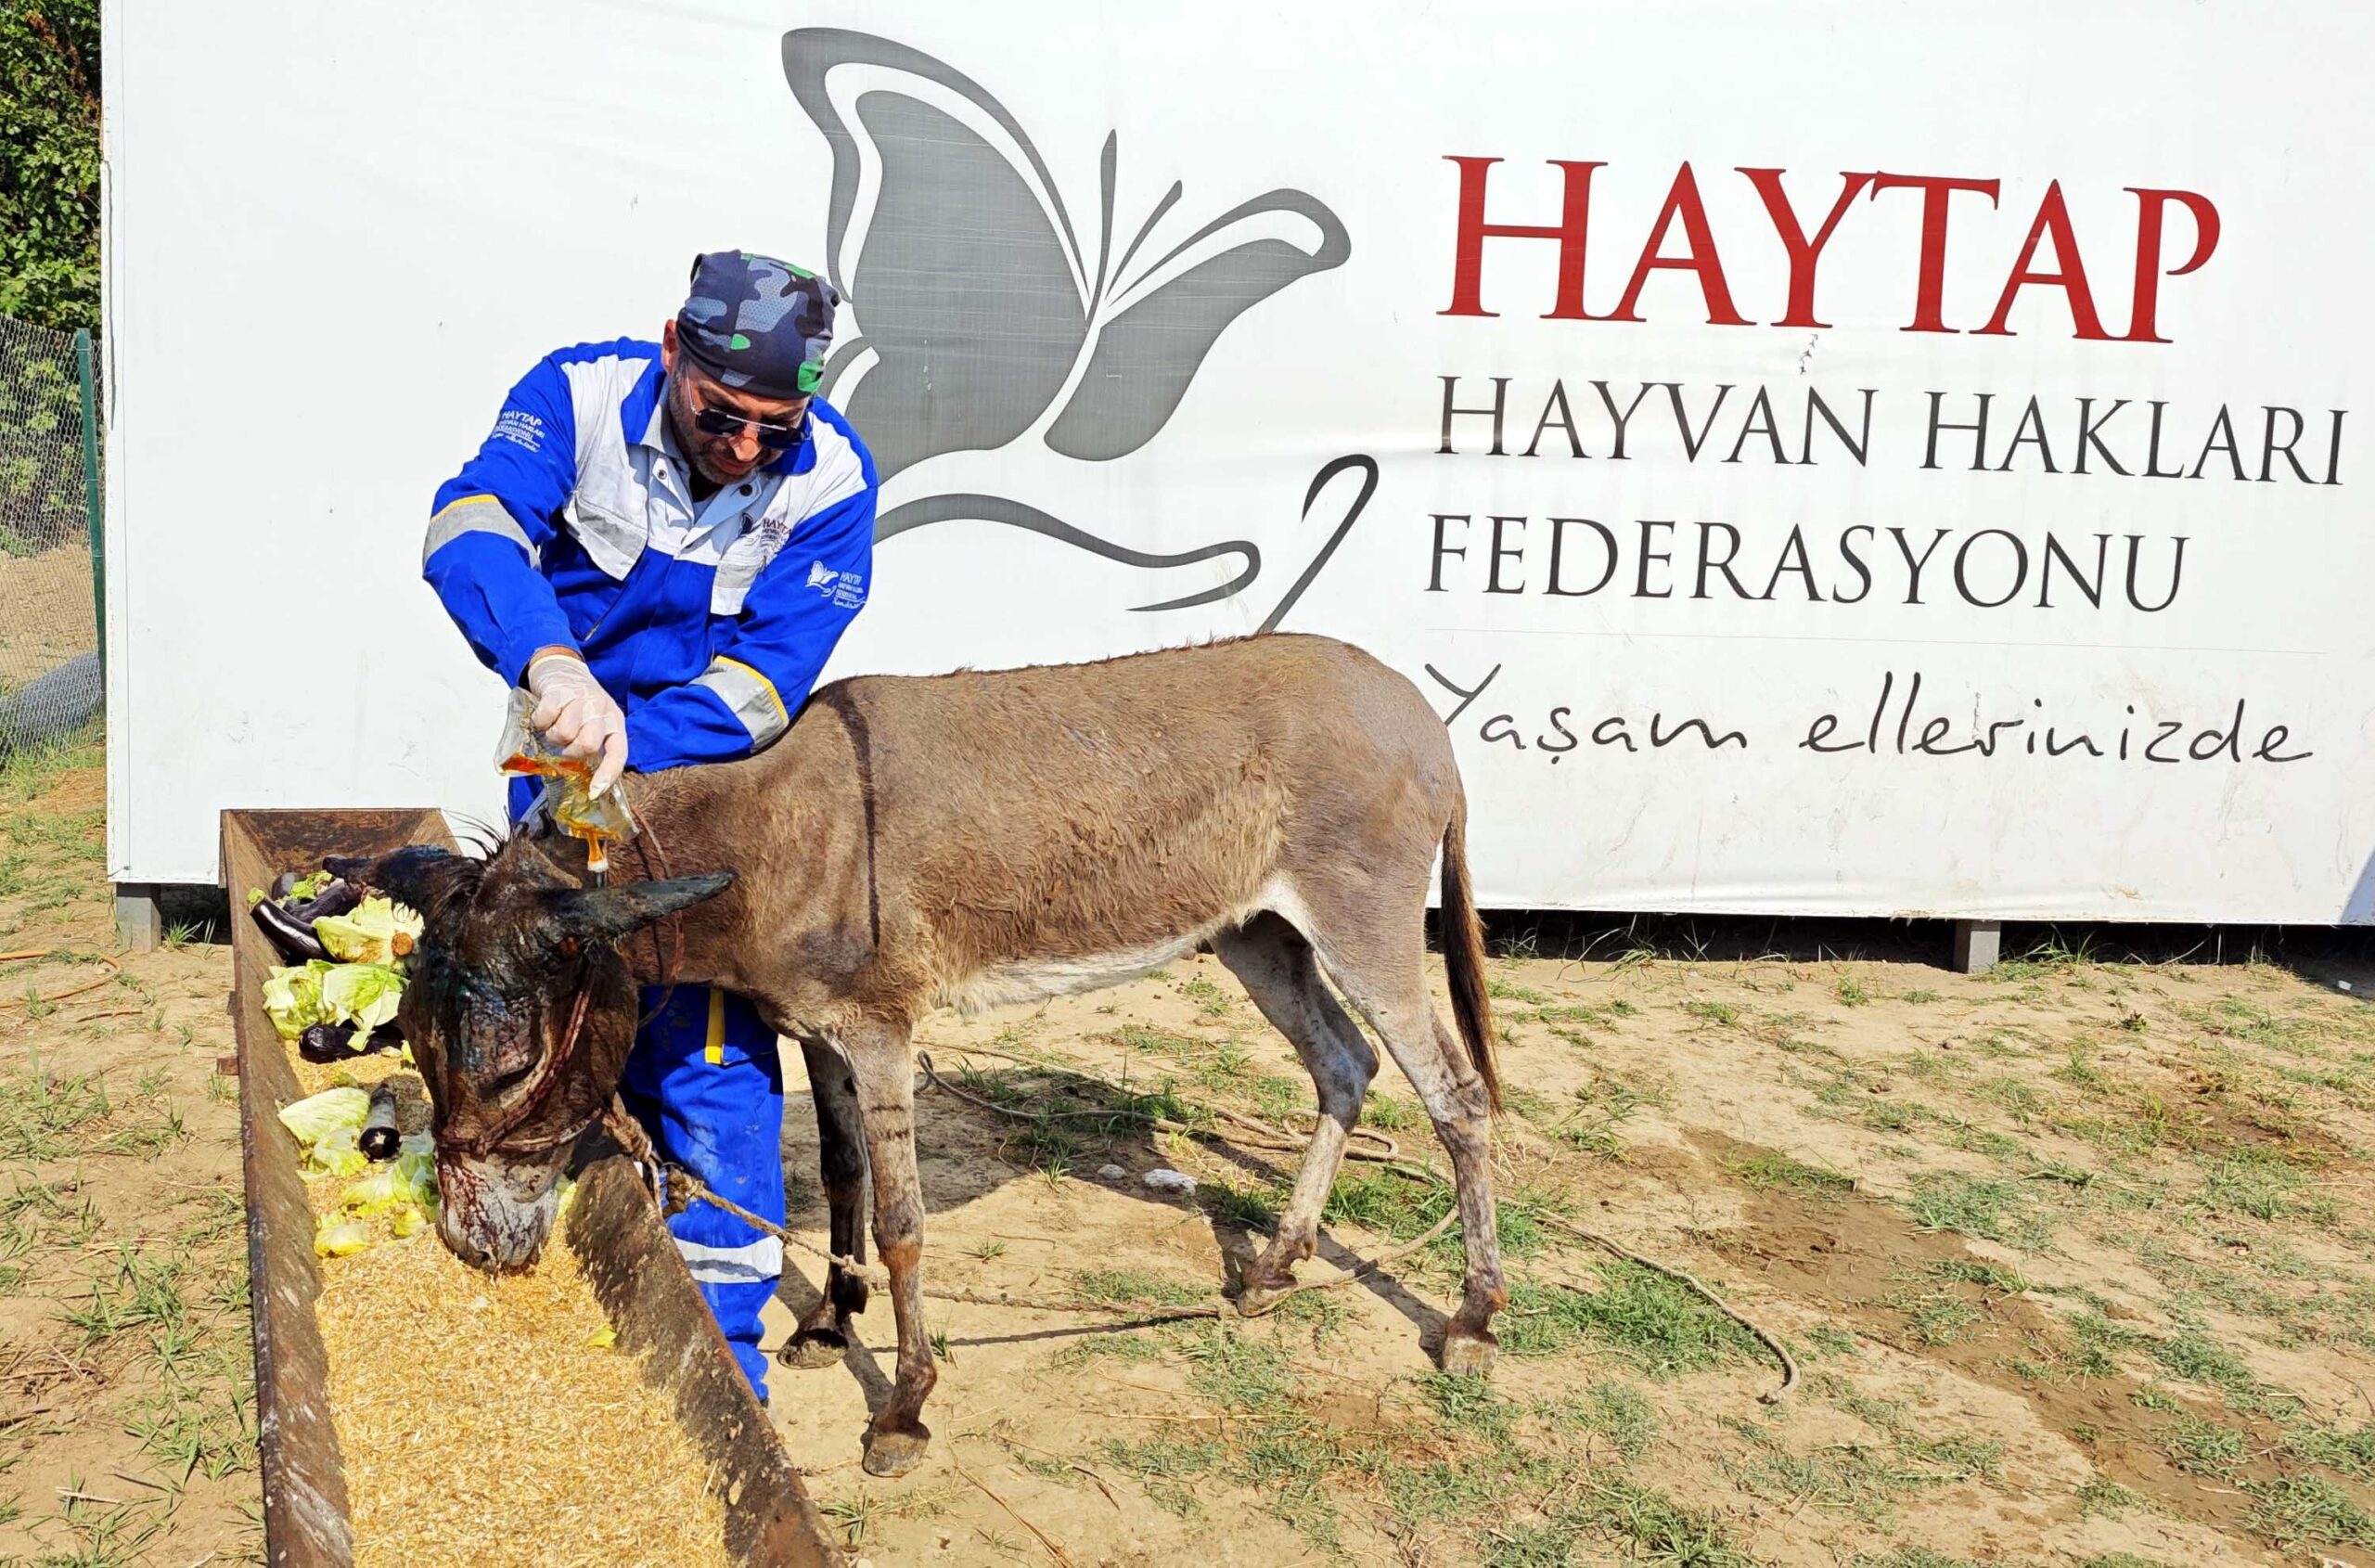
point(411, 876)
point(606, 913)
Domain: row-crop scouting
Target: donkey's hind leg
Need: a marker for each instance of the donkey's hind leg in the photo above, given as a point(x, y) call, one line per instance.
point(882, 1064)
point(1274, 963)
point(822, 1334)
point(1377, 961)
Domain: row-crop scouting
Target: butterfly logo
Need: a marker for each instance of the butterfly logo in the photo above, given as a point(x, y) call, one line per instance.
point(983, 320)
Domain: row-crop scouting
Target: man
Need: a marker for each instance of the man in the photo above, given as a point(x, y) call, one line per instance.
point(662, 543)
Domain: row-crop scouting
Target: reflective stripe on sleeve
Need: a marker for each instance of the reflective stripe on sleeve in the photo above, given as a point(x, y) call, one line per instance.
point(749, 695)
point(474, 514)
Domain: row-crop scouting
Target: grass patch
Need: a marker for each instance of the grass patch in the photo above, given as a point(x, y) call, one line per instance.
point(2204, 1447)
point(1986, 1275)
point(1768, 1169)
point(1130, 1347)
point(1941, 1319)
point(1441, 1492)
point(1830, 1339)
point(1209, 999)
point(1247, 1208)
point(1164, 1467)
point(1617, 1411)
point(2096, 1344)
point(2198, 1358)
point(1654, 1323)
point(1146, 1037)
point(1972, 1138)
point(39, 1111)
point(1861, 1479)
point(2351, 1452)
point(1649, 1525)
point(1911, 1557)
point(2014, 1095)
point(1470, 1405)
point(142, 1293)
point(2250, 1183)
point(2102, 1495)
point(2293, 1510)
point(1995, 1210)
point(1130, 1287)
point(1606, 1104)
point(1228, 1366)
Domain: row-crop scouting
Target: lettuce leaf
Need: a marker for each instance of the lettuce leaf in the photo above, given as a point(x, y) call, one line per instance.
point(338, 1152)
point(316, 1116)
point(374, 931)
point(362, 995)
point(341, 1238)
point(292, 997)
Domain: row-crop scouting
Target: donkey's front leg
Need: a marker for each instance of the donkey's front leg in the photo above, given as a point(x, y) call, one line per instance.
point(822, 1334)
point(878, 1052)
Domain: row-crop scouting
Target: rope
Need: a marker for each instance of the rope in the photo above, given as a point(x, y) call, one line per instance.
point(1689, 1281)
point(1781, 1352)
point(631, 1137)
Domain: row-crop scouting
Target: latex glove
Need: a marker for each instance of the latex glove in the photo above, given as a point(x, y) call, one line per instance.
point(576, 714)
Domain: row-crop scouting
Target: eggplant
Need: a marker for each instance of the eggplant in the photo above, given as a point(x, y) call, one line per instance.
point(327, 1042)
point(379, 1136)
point(338, 898)
point(292, 935)
point(387, 1037)
point(284, 885)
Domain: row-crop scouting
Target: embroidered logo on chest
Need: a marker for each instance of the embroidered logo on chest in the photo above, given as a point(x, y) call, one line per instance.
point(773, 532)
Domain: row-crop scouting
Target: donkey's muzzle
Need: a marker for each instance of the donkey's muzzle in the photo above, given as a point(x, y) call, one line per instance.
point(497, 1215)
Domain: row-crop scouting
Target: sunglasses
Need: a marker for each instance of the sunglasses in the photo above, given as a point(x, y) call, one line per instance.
point(771, 437)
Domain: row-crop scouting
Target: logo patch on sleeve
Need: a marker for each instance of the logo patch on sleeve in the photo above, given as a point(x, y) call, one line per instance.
point(520, 427)
point(846, 589)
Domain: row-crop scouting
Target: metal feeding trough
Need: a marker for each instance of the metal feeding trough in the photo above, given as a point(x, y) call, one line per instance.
point(612, 1225)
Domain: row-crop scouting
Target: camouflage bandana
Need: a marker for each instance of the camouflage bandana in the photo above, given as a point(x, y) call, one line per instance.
point(757, 324)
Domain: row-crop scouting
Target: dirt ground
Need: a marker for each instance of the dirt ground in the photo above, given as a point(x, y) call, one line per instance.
point(2073, 1257)
point(46, 612)
point(127, 1430)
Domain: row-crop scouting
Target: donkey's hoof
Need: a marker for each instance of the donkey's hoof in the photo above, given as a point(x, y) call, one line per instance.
point(812, 1350)
point(1255, 1299)
point(1468, 1355)
point(892, 1453)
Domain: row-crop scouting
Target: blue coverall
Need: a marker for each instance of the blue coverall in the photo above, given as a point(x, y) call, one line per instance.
point(574, 526)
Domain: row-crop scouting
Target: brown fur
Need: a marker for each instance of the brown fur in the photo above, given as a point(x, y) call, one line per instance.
point(988, 837)
point(1463, 941)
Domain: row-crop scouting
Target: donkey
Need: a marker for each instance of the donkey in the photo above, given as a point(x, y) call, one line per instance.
point(965, 841)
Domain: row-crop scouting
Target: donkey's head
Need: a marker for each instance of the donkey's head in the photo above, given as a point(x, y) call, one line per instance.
point(519, 1013)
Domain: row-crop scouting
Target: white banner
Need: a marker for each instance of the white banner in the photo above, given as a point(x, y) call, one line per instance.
point(1817, 458)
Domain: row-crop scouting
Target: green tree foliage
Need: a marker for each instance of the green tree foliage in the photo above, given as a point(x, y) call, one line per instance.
point(50, 161)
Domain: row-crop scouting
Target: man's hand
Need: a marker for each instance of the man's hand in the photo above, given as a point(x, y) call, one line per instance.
point(576, 714)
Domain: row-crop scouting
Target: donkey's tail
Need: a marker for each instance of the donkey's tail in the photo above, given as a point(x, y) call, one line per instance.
point(1463, 938)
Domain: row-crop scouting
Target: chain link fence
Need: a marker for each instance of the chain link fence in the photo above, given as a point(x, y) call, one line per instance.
point(50, 684)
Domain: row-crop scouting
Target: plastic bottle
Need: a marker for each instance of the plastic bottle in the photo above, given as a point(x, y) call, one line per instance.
point(600, 823)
